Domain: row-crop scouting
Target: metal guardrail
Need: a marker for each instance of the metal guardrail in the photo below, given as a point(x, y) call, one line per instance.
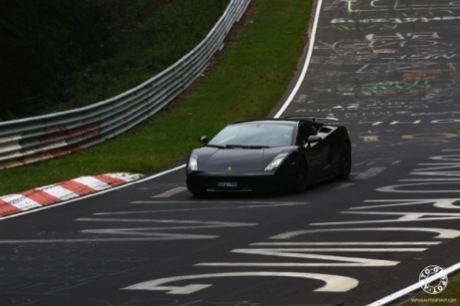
point(34, 139)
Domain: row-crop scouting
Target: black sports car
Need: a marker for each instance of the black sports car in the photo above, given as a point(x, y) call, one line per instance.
point(269, 155)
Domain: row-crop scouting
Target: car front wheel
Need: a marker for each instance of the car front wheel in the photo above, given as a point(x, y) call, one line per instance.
point(300, 183)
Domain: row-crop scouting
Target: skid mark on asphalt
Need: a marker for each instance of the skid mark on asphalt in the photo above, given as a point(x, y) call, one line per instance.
point(361, 176)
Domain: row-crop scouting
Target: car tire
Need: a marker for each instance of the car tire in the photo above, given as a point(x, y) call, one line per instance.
point(345, 161)
point(301, 180)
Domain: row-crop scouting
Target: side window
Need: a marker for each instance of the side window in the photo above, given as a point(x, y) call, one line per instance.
point(305, 130)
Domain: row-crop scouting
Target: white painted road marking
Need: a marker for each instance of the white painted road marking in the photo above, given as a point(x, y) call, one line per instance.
point(414, 287)
point(348, 243)
point(170, 193)
point(334, 283)
point(443, 233)
point(370, 173)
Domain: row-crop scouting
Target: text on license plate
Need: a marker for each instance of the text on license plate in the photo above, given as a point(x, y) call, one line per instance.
point(227, 184)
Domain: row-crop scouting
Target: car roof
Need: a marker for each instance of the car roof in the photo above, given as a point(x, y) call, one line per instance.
point(293, 121)
point(325, 120)
point(270, 120)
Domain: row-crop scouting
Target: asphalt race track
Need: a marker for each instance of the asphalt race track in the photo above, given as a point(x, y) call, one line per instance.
point(389, 70)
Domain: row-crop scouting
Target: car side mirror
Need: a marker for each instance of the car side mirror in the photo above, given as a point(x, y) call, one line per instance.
point(203, 139)
point(313, 139)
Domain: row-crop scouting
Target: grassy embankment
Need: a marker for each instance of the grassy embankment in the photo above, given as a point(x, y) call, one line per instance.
point(249, 78)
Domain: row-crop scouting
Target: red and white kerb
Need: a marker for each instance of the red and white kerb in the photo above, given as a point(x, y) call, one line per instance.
point(63, 191)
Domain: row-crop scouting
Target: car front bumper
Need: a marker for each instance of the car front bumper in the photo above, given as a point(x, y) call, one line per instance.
point(199, 182)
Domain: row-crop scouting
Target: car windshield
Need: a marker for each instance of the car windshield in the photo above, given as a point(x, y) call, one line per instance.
point(255, 135)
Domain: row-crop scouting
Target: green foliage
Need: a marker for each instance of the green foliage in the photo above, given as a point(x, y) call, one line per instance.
point(61, 54)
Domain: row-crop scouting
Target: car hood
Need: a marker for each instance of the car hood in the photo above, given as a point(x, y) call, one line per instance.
point(236, 160)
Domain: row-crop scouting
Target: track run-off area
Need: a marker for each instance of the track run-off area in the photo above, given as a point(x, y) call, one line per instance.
point(388, 70)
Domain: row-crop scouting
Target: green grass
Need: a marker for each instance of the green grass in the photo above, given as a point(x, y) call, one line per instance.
point(248, 79)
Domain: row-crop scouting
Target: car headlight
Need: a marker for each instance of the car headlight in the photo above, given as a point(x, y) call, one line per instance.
point(192, 164)
point(276, 162)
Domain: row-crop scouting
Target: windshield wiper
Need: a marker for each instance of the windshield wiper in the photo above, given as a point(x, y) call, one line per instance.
point(234, 146)
point(258, 147)
point(215, 146)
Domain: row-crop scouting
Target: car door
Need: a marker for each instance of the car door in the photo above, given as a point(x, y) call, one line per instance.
point(315, 153)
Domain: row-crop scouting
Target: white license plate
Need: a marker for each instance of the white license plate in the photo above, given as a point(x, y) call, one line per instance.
point(227, 184)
